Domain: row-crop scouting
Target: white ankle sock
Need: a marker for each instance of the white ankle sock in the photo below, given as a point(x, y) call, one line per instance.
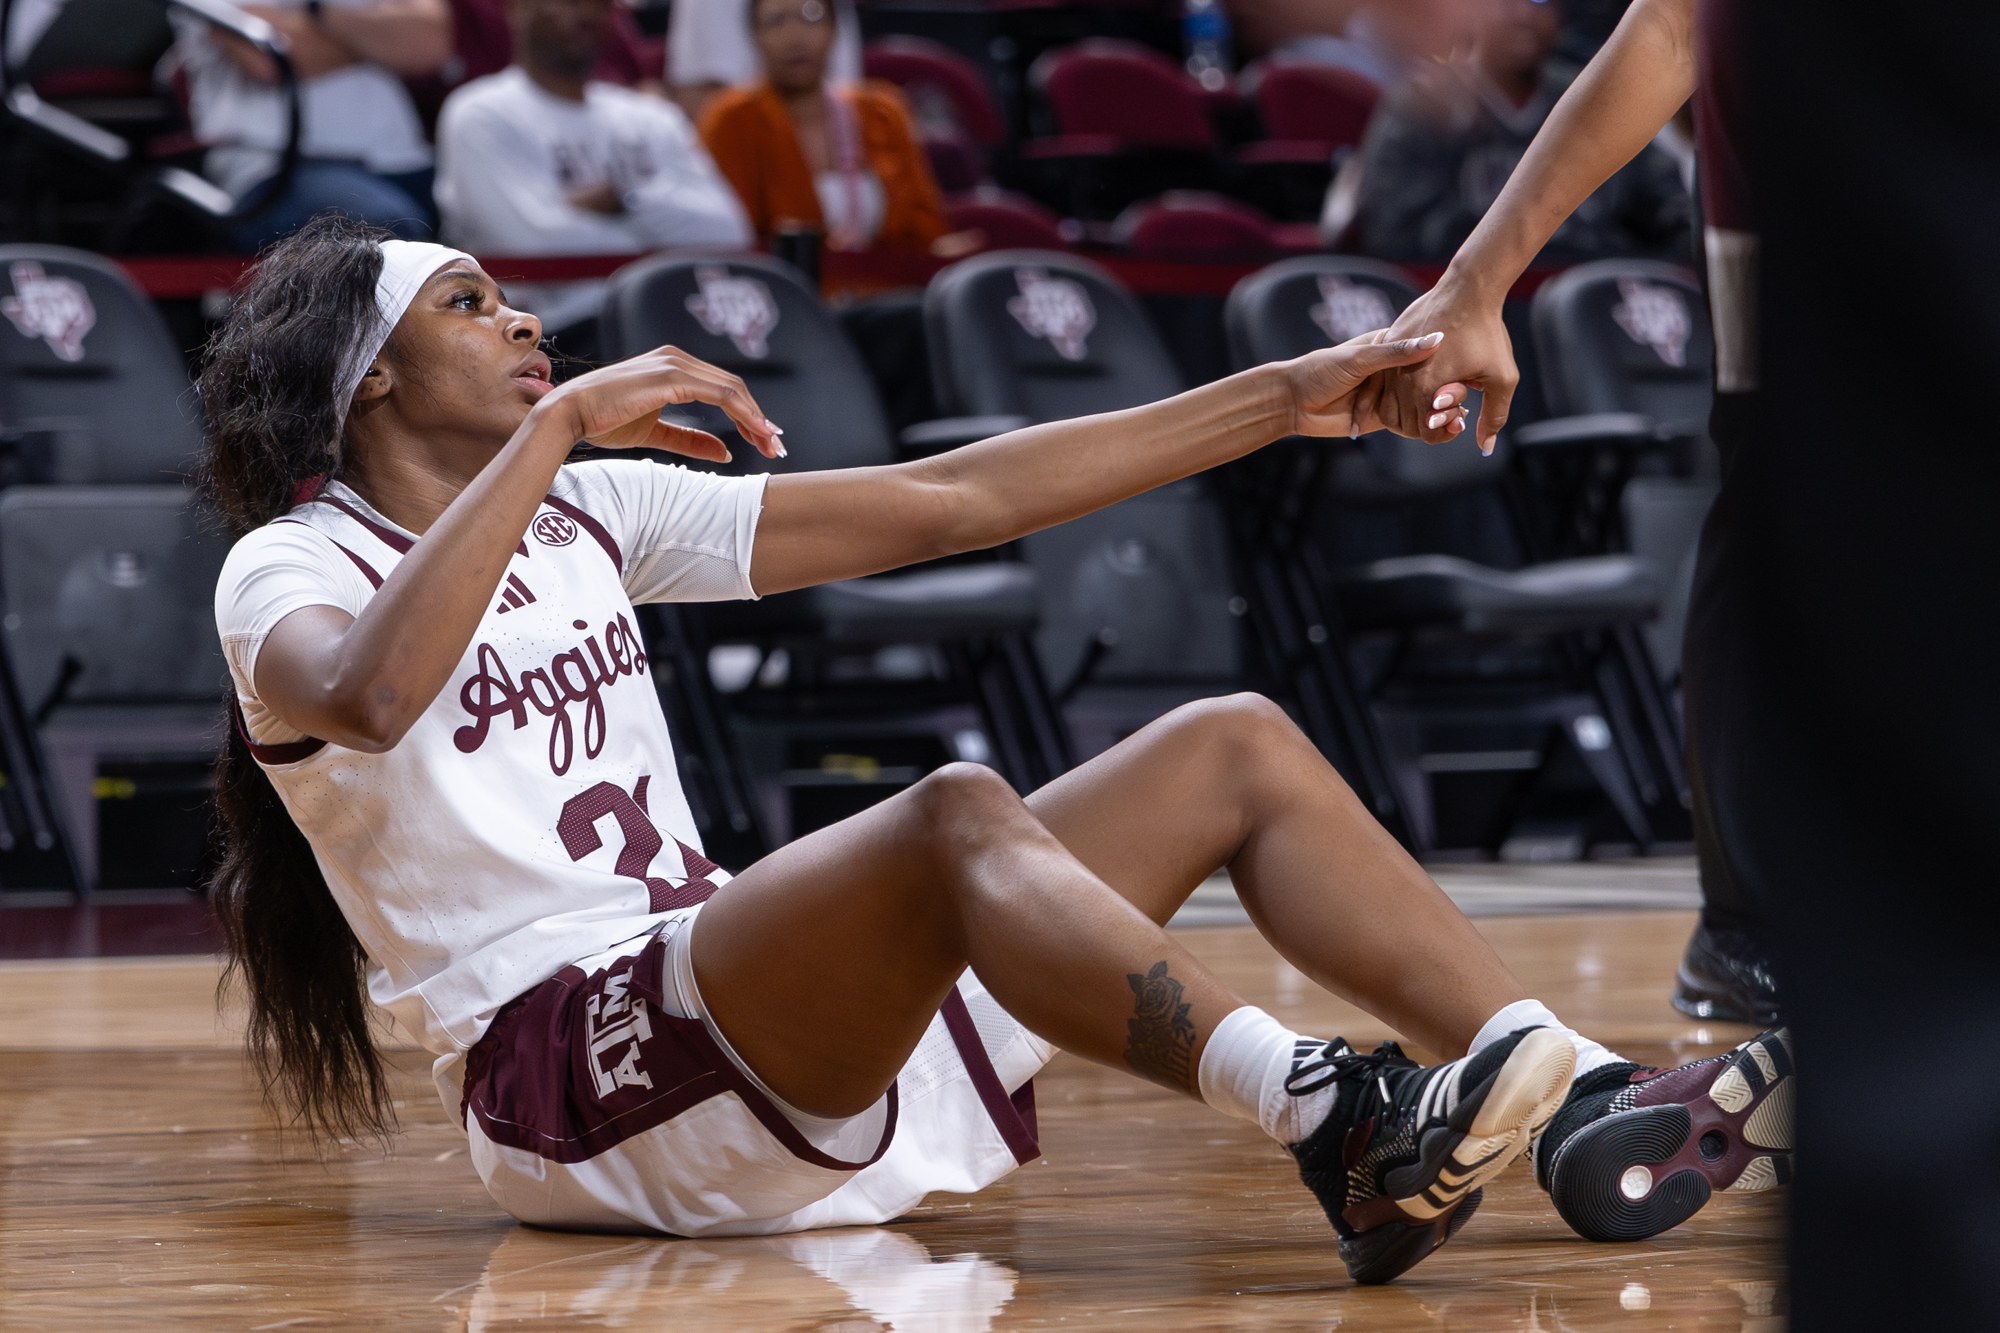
point(1243, 1070)
point(1533, 1013)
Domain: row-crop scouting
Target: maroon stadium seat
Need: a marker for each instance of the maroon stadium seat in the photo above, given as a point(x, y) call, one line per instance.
point(940, 83)
point(1126, 92)
point(1129, 124)
point(1011, 221)
point(1197, 226)
point(1314, 104)
point(1310, 113)
point(956, 160)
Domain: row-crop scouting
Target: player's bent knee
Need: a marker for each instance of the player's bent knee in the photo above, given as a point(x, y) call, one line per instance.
point(962, 791)
point(1252, 738)
point(1244, 719)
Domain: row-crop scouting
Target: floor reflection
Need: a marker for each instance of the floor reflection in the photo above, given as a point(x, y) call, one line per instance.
point(850, 1280)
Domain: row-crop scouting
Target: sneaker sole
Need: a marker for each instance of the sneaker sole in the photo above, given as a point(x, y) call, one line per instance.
point(1480, 1139)
point(1633, 1175)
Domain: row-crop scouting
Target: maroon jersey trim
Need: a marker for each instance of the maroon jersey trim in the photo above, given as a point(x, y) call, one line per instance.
point(374, 579)
point(593, 527)
point(1013, 1116)
point(289, 753)
point(537, 1081)
point(389, 537)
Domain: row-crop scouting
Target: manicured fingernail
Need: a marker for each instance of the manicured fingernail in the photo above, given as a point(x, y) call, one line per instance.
point(1438, 419)
point(1442, 400)
point(773, 427)
point(1353, 430)
point(1431, 339)
point(781, 451)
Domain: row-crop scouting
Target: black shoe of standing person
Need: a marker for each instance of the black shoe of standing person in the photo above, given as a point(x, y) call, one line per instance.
point(1399, 1162)
point(1726, 975)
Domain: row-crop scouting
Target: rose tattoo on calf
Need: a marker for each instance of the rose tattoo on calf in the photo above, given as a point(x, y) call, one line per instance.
point(1160, 1035)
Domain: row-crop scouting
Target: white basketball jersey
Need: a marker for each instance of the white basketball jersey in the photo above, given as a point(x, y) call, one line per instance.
point(533, 815)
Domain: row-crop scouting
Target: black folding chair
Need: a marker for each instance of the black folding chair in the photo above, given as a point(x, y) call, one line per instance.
point(755, 316)
point(1136, 598)
point(1626, 349)
point(110, 635)
point(92, 388)
point(1442, 620)
point(1626, 352)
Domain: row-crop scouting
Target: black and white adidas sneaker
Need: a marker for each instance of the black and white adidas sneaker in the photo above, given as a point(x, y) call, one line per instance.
point(1399, 1162)
point(1635, 1151)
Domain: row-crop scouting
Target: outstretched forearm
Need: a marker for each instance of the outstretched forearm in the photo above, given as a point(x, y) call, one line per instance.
point(820, 526)
point(1615, 107)
point(1612, 111)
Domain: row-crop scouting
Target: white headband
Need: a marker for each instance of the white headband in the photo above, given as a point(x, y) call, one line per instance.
point(406, 267)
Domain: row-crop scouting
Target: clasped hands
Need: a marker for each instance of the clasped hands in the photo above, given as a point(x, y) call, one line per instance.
point(1413, 377)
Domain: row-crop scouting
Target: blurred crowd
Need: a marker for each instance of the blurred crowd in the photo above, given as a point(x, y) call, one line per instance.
point(560, 127)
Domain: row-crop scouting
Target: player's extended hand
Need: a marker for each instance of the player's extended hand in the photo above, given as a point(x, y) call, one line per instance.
point(1341, 390)
point(1419, 399)
point(618, 406)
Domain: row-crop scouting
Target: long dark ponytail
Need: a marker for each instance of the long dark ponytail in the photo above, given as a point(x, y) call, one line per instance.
point(268, 391)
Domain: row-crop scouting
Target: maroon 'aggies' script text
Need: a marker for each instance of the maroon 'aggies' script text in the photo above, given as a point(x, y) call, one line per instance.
point(570, 678)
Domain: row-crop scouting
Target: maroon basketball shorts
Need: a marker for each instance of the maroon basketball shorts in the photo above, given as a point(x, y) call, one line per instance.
point(605, 1100)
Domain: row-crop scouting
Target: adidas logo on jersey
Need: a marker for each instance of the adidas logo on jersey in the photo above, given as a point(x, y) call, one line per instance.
point(578, 676)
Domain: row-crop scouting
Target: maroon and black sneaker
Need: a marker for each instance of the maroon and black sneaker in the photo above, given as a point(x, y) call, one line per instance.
point(1636, 1151)
point(1399, 1162)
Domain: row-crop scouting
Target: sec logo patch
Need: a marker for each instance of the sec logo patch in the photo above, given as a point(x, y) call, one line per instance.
point(554, 530)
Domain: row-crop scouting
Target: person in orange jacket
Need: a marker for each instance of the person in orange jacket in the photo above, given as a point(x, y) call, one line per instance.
point(842, 161)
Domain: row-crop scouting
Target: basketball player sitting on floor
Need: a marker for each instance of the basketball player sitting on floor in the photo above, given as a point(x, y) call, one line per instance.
point(468, 811)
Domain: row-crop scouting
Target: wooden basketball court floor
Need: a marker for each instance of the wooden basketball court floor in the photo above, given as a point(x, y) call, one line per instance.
point(144, 1189)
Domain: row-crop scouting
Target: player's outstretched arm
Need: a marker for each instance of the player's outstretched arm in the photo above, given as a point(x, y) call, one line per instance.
point(1612, 111)
point(820, 526)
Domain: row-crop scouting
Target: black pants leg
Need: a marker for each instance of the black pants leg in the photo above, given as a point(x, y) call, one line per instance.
point(1710, 667)
point(1869, 802)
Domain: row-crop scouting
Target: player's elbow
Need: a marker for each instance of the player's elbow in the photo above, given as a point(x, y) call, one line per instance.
point(371, 716)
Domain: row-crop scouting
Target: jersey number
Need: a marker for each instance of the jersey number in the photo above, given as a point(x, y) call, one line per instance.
point(643, 841)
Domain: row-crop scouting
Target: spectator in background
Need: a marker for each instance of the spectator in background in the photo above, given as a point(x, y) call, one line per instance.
point(841, 161)
point(1263, 26)
point(1387, 41)
point(539, 159)
point(483, 44)
point(1439, 150)
point(709, 49)
point(362, 148)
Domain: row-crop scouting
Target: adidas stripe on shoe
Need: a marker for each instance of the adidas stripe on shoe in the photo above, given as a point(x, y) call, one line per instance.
point(1399, 1161)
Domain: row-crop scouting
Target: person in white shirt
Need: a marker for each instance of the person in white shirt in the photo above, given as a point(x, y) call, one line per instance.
point(362, 146)
point(539, 160)
point(450, 787)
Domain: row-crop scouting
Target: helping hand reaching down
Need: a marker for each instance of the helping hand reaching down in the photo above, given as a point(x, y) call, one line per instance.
point(1417, 399)
point(1351, 389)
